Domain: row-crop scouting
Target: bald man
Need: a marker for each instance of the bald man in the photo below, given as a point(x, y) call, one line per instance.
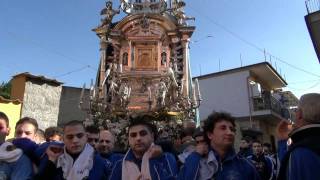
point(106, 142)
point(105, 147)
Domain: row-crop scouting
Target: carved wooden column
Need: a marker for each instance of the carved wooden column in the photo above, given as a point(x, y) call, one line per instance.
point(185, 39)
point(129, 55)
point(159, 56)
point(102, 73)
point(186, 70)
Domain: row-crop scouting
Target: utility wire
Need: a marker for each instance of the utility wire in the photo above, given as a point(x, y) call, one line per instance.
point(313, 86)
point(73, 71)
point(252, 44)
point(19, 38)
point(200, 39)
point(293, 66)
point(306, 81)
point(54, 52)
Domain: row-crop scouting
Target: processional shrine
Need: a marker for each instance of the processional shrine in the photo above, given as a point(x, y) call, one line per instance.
point(144, 65)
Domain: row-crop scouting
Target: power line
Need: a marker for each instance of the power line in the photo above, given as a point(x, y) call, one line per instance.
point(311, 87)
point(200, 39)
point(306, 81)
point(293, 66)
point(73, 71)
point(252, 44)
point(30, 41)
point(37, 44)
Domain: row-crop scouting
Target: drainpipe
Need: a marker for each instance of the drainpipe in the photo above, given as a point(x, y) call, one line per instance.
point(249, 91)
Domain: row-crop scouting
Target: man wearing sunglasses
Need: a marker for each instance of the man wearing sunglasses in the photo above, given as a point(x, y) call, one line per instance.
point(142, 160)
point(77, 160)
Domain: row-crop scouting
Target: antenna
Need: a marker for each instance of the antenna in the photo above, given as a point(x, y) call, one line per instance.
point(270, 59)
point(240, 60)
point(306, 3)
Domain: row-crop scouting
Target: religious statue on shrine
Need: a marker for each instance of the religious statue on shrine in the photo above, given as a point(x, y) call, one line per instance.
point(163, 58)
point(125, 6)
point(108, 13)
point(124, 93)
point(144, 61)
point(179, 12)
point(172, 77)
point(161, 93)
point(112, 88)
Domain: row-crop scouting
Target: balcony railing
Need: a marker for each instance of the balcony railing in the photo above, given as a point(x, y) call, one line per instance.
point(268, 102)
point(312, 6)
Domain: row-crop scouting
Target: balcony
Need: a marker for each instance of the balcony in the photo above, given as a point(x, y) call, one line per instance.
point(268, 102)
point(313, 23)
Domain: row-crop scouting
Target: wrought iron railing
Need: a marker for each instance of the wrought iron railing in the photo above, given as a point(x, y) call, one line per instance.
point(312, 6)
point(268, 102)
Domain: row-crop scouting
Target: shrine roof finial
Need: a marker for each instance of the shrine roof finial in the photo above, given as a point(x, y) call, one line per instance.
point(143, 6)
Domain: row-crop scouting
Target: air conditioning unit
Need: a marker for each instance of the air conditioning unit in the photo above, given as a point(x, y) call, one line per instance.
point(256, 90)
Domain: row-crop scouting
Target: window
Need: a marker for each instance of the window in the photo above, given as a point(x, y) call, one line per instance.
point(125, 59)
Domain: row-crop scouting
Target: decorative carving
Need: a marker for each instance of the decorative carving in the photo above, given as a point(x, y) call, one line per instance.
point(112, 88)
point(108, 14)
point(178, 12)
point(161, 93)
point(124, 93)
point(125, 6)
point(172, 77)
point(146, 57)
point(144, 6)
point(144, 84)
point(144, 23)
point(125, 59)
point(163, 58)
point(144, 37)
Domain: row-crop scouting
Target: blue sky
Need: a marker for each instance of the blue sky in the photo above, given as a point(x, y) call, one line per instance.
point(54, 38)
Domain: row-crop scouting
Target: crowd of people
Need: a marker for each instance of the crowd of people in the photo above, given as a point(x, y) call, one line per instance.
point(76, 152)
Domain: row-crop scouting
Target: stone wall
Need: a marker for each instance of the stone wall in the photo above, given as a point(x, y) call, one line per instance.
point(69, 105)
point(41, 101)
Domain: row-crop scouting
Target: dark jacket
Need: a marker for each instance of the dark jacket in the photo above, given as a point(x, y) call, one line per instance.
point(19, 170)
point(232, 166)
point(99, 170)
point(268, 170)
point(245, 152)
point(111, 159)
point(163, 167)
point(302, 161)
